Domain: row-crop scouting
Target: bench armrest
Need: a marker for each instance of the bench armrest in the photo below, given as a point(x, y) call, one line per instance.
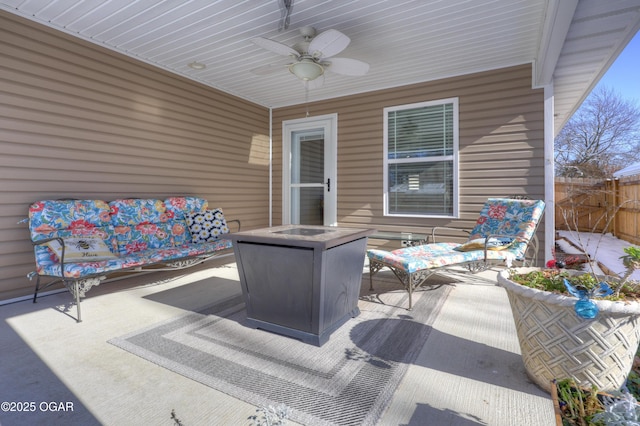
point(59, 240)
point(237, 221)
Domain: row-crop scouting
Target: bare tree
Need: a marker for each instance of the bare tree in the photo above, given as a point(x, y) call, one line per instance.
point(602, 137)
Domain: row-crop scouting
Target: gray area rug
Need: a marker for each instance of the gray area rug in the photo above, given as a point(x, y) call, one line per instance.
point(350, 380)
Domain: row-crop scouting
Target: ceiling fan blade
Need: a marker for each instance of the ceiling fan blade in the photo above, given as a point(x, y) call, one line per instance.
point(270, 68)
point(275, 47)
point(347, 66)
point(328, 43)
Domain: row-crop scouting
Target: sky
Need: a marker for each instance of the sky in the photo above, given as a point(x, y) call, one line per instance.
point(624, 77)
point(624, 74)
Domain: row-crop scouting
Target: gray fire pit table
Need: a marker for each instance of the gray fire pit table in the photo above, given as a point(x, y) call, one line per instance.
point(300, 281)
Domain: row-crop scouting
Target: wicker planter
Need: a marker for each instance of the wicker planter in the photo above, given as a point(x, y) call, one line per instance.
point(556, 343)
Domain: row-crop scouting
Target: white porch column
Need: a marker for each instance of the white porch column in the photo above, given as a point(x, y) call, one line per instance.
point(549, 172)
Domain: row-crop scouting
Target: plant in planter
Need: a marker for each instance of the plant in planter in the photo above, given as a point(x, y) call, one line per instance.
point(568, 325)
point(582, 336)
point(566, 330)
point(581, 406)
point(631, 261)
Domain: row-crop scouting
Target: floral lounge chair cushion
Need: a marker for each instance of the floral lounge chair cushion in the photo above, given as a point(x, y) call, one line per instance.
point(435, 255)
point(513, 220)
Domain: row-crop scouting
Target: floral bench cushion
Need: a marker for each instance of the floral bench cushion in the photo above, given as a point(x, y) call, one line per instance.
point(66, 219)
point(182, 206)
point(142, 224)
point(48, 265)
point(62, 218)
point(139, 231)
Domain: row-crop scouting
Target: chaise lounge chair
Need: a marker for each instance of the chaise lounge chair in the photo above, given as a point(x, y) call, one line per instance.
point(504, 233)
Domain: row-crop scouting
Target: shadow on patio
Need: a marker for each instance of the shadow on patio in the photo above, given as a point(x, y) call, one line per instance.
point(468, 370)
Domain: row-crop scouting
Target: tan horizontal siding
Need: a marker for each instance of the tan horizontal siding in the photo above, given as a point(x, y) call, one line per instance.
point(79, 121)
point(501, 145)
point(84, 122)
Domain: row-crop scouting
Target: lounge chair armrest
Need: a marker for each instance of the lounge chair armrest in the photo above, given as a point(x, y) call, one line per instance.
point(436, 228)
point(513, 237)
point(530, 252)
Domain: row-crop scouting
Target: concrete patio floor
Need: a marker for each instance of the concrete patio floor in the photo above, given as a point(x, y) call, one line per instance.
point(469, 371)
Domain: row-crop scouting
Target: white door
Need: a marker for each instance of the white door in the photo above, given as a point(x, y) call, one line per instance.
point(309, 171)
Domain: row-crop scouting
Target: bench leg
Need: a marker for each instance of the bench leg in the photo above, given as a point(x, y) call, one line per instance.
point(76, 286)
point(410, 290)
point(35, 292)
point(40, 286)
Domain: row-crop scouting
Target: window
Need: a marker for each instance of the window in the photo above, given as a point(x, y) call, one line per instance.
point(421, 159)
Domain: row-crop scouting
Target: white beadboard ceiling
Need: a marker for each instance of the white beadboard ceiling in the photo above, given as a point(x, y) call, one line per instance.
point(572, 42)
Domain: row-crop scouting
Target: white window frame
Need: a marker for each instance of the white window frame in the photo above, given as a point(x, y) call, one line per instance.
point(454, 157)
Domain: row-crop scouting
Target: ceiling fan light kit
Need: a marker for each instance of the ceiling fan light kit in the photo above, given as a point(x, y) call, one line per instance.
point(306, 69)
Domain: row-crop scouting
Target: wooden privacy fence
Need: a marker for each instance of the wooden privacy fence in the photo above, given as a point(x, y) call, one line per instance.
point(601, 206)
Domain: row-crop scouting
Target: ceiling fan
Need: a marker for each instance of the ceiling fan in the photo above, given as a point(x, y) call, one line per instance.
point(313, 56)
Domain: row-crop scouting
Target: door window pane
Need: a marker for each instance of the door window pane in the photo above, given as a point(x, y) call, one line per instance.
point(307, 177)
point(307, 158)
point(309, 205)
